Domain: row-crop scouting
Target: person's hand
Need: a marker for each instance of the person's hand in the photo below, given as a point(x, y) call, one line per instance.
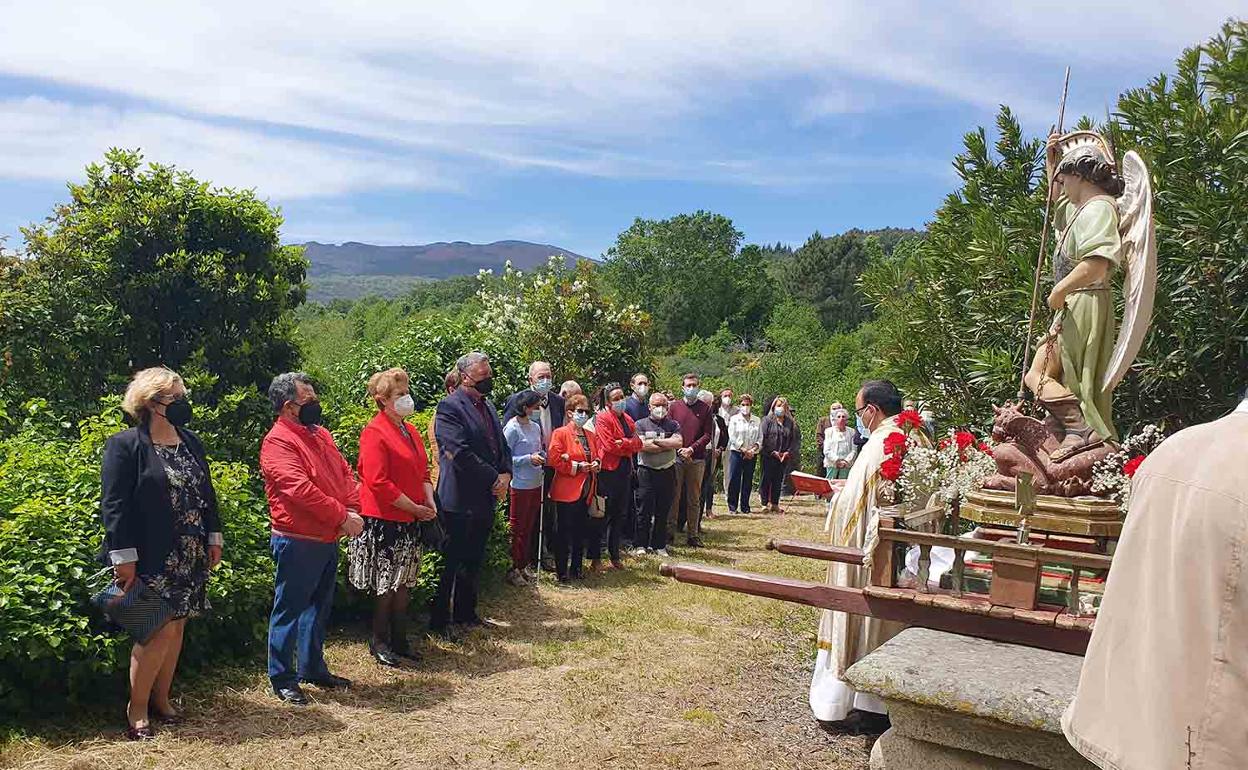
point(124, 575)
point(685, 453)
point(536, 460)
point(425, 513)
point(353, 525)
point(619, 442)
point(565, 457)
point(594, 466)
point(214, 556)
point(1057, 300)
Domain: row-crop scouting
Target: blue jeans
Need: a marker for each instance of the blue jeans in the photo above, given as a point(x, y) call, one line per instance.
point(303, 593)
point(740, 481)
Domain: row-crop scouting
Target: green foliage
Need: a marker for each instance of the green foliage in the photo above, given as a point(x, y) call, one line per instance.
point(824, 273)
point(326, 288)
point(562, 315)
point(148, 266)
point(953, 310)
point(689, 275)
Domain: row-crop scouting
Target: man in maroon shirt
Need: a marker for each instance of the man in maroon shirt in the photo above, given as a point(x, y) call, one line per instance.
point(694, 418)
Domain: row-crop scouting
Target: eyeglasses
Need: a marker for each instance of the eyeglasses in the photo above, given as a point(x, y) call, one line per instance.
point(858, 411)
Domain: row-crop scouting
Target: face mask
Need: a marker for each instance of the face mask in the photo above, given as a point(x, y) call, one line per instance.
point(658, 412)
point(543, 385)
point(862, 427)
point(531, 415)
point(779, 411)
point(178, 412)
point(641, 390)
point(405, 405)
point(310, 413)
point(617, 406)
point(484, 387)
point(691, 394)
point(580, 418)
point(745, 409)
point(726, 401)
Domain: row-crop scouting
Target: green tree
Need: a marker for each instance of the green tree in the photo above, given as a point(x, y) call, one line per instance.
point(690, 275)
point(146, 266)
point(824, 274)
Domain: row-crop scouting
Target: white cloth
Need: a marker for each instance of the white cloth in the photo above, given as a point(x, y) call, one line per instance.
point(838, 445)
point(1167, 666)
point(744, 432)
point(547, 429)
point(845, 639)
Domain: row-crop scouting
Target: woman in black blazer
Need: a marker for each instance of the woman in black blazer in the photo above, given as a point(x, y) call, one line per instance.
point(161, 527)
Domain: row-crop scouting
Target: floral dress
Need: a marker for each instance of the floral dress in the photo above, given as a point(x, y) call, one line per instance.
point(183, 579)
point(386, 555)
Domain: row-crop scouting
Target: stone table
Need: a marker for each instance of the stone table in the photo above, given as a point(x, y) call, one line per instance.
point(968, 703)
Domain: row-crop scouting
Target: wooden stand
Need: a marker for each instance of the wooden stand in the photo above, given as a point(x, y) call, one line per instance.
point(1085, 516)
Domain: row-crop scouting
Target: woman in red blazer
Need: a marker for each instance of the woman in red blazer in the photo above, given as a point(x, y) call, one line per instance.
point(395, 496)
point(576, 459)
point(617, 437)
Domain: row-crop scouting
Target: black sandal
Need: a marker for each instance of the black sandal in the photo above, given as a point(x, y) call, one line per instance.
point(144, 733)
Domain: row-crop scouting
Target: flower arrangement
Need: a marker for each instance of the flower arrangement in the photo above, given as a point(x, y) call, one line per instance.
point(952, 469)
point(1112, 476)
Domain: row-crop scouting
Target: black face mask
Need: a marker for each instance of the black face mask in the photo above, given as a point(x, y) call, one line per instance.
point(485, 386)
point(178, 412)
point(310, 413)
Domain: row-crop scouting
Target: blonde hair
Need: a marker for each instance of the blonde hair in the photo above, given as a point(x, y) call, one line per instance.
point(381, 383)
point(147, 385)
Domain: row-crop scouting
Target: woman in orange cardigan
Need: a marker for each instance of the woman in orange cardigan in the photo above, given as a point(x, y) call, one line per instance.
point(617, 438)
point(575, 456)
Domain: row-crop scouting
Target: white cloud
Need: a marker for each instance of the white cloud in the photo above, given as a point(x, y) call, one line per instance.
point(398, 93)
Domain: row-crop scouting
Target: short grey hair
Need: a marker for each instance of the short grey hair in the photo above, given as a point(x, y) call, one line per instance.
point(284, 388)
point(469, 360)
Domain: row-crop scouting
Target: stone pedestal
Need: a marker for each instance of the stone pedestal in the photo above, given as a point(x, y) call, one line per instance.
point(967, 703)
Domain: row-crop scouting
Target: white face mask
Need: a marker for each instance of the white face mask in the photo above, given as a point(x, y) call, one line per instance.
point(726, 401)
point(405, 405)
point(641, 390)
point(745, 409)
point(580, 418)
point(658, 412)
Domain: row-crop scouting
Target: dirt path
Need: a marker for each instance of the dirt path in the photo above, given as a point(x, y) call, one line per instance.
point(633, 670)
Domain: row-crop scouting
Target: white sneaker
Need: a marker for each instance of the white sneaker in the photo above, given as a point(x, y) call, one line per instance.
point(661, 553)
point(639, 551)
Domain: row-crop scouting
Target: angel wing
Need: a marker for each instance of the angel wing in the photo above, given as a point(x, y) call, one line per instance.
point(1139, 252)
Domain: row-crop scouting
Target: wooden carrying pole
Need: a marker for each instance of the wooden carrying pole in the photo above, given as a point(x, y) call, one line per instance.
point(1044, 241)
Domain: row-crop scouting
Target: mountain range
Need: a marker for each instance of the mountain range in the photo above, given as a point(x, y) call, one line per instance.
point(430, 261)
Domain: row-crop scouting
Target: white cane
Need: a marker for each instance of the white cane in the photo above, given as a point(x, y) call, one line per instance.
point(541, 526)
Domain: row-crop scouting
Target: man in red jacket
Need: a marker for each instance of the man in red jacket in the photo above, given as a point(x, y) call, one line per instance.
point(313, 500)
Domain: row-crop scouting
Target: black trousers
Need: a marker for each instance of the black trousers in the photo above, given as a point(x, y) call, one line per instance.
point(463, 557)
point(570, 538)
point(740, 481)
point(654, 498)
point(617, 486)
point(773, 481)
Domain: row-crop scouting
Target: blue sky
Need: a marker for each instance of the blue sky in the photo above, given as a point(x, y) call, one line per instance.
point(401, 122)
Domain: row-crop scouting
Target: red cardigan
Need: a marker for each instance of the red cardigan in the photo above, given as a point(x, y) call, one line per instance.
point(607, 428)
point(390, 465)
point(568, 484)
point(309, 484)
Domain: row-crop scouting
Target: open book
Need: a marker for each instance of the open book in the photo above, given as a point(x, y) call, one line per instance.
point(812, 485)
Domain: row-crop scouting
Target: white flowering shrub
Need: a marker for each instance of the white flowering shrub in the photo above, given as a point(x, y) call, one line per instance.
point(560, 314)
point(955, 467)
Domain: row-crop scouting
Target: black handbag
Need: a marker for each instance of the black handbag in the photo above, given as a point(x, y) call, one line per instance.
point(433, 533)
point(140, 612)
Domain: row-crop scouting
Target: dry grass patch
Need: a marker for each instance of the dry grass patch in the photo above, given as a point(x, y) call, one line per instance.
point(631, 670)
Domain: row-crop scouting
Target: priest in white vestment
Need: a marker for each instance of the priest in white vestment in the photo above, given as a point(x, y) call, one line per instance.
point(1165, 680)
point(854, 521)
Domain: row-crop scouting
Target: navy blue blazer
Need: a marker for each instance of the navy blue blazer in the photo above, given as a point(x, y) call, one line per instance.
point(469, 462)
point(554, 402)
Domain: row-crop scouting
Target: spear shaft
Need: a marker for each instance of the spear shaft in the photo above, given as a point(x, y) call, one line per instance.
point(1044, 241)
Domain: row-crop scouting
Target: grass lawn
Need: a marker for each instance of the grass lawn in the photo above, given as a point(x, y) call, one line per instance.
point(627, 670)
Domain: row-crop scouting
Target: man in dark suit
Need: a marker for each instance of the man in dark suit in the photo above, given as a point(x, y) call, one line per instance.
point(475, 473)
point(549, 419)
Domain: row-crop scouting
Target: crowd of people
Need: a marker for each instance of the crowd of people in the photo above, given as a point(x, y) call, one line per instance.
point(627, 473)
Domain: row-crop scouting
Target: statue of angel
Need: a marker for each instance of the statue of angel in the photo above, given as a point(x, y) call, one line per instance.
point(1104, 222)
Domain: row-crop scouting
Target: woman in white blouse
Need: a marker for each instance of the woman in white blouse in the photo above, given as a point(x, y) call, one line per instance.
point(839, 446)
point(744, 437)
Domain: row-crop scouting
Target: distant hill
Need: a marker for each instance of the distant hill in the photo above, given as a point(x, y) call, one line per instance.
point(430, 261)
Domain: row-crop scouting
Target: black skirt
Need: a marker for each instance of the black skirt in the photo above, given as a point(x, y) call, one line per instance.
point(385, 557)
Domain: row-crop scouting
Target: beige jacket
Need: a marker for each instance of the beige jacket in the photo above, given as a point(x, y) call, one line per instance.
point(1165, 681)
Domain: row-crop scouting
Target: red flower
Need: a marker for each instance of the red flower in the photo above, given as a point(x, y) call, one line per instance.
point(944, 444)
point(891, 468)
point(964, 439)
point(983, 447)
point(909, 419)
point(895, 444)
point(1132, 466)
